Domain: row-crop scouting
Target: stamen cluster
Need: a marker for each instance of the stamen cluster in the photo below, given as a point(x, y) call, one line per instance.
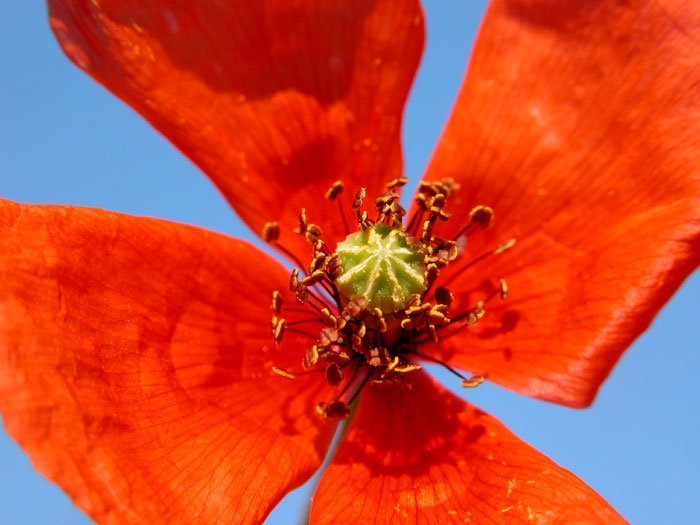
point(357, 338)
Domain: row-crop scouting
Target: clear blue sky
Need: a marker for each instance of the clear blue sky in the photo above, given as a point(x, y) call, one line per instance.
point(64, 139)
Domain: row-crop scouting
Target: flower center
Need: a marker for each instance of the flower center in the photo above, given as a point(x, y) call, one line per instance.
point(383, 265)
point(371, 302)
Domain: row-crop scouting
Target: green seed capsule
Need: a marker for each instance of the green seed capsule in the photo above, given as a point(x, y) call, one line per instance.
point(383, 265)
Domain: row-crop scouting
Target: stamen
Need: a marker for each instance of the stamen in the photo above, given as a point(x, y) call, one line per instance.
point(334, 375)
point(473, 381)
point(431, 274)
point(390, 367)
point(504, 289)
point(332, 195)
point(479, 216)
point(427, 230)
point(276, 302)
point(390, 211)
point(271, 232)
point(301, 229)
point(432, 331)
point(335, 190)
point(359, 199)
point(310, 357)
point(328, 336)
point(278, 329)
point(313, 233)
point(477, 312)
point(467, 382)
point(407, 368)
point(315, 278)
point(437, 316)
point(396, 183)
point(503, 247)
point(381, 322)
point(328, 318)
point(357, 203)
point(369, 296)
point(294, 280)
point(282, 372)
point(473, 315)
point(318, 262)
point(334, 268)
point(444, 296)
point(336, 410)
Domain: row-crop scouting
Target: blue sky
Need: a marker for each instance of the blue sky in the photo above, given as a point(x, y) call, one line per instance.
point(64, 139)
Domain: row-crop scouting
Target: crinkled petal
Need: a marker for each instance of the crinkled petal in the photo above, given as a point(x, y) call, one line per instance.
point(578, 123)
point(135, 363)
point(422, 455)
point(274, 101)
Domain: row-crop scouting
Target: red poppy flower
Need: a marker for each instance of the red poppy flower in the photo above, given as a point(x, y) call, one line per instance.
point(136, 363)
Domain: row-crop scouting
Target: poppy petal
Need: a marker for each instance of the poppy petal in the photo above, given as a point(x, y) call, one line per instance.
point(135, 363)
point(274, 101)
point(577, 123)
point(422, 455)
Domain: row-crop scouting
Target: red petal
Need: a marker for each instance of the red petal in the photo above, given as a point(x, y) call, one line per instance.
point(422, 455)
point(273, 100)
point(135, 368)
point(578, 124)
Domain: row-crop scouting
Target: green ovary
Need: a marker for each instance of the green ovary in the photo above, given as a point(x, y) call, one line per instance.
point(382, 265)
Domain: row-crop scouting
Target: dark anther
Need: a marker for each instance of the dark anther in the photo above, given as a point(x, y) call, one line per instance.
point(335, 410)
point(313, 233)
point(271, 232)
point(335, 190)
point(481, 215)
point(444, 296)
point(334, 375)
